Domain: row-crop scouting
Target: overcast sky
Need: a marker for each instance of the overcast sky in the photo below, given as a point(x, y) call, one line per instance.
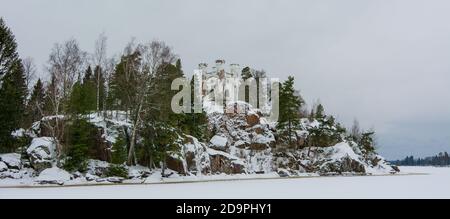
point(386, 63)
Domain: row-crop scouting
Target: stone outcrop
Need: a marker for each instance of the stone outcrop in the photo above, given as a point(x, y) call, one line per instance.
point(42, 153)
point(11, 160)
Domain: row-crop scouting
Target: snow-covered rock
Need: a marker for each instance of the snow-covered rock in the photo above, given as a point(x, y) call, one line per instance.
point(42, 153)
point(3, 166)
point(138, 172)
point(248, 136)
point(222, 162)
point(53, 175)
point(98, 168)
point(18, 133)
point(341, 158)
point(12, 160)
point(218, 142)
point(196, 156)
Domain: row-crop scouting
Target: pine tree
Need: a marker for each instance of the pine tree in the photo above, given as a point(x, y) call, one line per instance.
point(160, 95)
point(122, 91)
point(289, 107)
point(12, 99)
point(320, 112)
point(99, 81)
point(8, 52)
point(13, 90)
point(162, 124)
point(195, 124)
point(367, 141)
point(160, 140)
point(36, 103)
point(83, 96)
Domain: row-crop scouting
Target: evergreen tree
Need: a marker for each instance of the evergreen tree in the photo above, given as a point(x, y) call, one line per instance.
point(367, 141)
point(195, 124)
point(12, 99)
point(13, 90)
point(8, 50)
point(36, 103)
point(83, 96)
point(121, 90)
point(78, 148)
point(161, 140)
point(160, 96)
point(99, 81)
point(289, 107)
point(162, 124)
point(320, 112)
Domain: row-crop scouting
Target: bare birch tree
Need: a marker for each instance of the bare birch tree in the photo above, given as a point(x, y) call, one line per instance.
point(100, 59)
point(29, 70)
point(66, 63)
point(151, 57)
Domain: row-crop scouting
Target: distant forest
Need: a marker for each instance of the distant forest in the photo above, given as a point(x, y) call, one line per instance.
point(441, 159)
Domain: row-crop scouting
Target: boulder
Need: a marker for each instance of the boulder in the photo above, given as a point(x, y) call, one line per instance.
point(89, 177)
point(221, 163)
point(174, 162)
point(53, 175)
point(345, 165)
point(395, 168)
point(252, 119)
point(3, 166)
point(284, 162)
point(258, 146)
point(115, 179)
point(241, 144)
point(98, 168)
point(218, 142)
point(190, 161)
point(138, 172)
point(12, 160)
point(42, 153)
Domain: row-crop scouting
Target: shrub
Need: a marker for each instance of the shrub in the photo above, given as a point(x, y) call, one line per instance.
point(76, 159)
point(117, 170)
point(119, 152)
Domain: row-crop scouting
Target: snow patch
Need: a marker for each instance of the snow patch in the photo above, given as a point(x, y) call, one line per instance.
point(219, 141)
point(54, 175)
point(12, 160)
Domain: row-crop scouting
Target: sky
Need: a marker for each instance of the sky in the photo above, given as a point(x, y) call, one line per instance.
point(385, 63)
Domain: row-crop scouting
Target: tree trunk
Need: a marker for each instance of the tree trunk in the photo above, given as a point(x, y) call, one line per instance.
point(131, 153)
point(289, 132)
point(163, 168)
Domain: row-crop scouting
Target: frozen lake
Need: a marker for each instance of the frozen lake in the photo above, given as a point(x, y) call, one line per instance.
point(427, 182)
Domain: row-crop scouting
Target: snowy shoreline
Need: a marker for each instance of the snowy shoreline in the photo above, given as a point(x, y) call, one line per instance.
point(14, 183)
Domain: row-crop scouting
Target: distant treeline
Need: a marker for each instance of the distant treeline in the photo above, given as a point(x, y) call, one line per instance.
point(441, 159)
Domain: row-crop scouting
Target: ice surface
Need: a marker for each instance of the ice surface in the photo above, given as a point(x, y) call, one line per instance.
point(389, 186)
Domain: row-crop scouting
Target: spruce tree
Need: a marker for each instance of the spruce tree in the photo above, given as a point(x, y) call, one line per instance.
point(320, 112)
point(36, 103)
point(289, 107)
point(83, 96)
point(99, 81)
point(8, 49)
point(13, 90)
point(122, 91)
point(195, 124)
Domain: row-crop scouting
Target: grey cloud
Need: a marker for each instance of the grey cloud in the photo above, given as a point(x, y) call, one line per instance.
point(383, 62)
